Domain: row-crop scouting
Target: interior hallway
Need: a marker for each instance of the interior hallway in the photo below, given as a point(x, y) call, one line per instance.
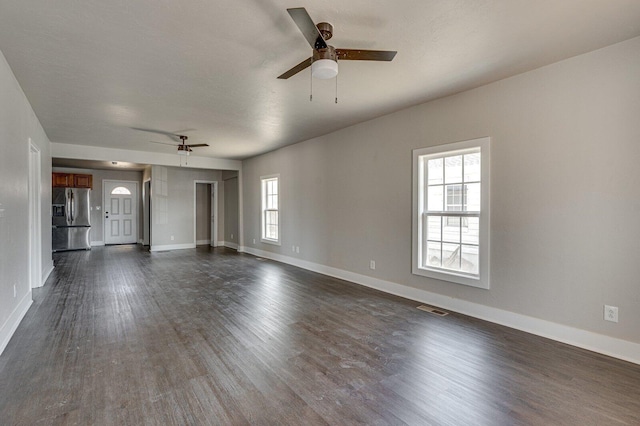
point(208, 336)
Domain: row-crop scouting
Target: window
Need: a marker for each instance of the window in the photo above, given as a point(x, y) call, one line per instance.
point(270, 210)
point(451, 212)
point(121, 190)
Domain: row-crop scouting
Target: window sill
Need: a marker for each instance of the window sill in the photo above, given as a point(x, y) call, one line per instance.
point(477, 282)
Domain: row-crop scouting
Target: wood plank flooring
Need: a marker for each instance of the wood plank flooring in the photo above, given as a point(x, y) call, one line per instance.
point(120, 336)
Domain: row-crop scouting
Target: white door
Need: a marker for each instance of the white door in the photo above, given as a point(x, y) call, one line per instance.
point(120, 212)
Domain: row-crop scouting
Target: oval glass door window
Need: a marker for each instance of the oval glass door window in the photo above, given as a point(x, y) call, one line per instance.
point(120, 190)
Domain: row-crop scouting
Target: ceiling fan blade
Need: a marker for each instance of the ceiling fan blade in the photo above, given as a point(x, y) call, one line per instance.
point(197, 145)
point(295, 70)
point(160, 132)
point(165, 143)
point(365, 55)
point(307, 27)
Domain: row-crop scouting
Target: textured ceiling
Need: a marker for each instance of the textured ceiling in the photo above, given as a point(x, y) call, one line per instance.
point(93, 69)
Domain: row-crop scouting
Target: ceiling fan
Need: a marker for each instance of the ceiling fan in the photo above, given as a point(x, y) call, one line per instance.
point(180, 140)
point(324, 61)
point(183, 147)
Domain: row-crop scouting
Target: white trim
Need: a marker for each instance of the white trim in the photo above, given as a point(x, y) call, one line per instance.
point(97, 243)
point(230, 245)
point(483, 278)
point(35, 216)
point(11, 324)
point(202, 242)
point(606, 345)
point(173, 247)
point(214, 209)
point(47, 272)
point(221, 243)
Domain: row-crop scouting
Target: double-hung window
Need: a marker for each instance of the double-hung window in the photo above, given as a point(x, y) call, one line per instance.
point(451, 212)
point(270, 209)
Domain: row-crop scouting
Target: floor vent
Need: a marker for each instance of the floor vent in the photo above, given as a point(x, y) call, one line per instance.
point(261, 259)
point(433, 310)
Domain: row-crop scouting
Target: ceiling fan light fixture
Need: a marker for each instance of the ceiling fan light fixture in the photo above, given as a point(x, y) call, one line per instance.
point(324, 69)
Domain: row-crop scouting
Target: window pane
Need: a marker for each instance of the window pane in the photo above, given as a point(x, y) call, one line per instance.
point(433, 254)
point(451, 230)
point(121, 190)
point(435, 171)
point(451, 256)
point(435, 198)
point(473, 197)
point(434, 230)
point(470, 259)
point(472, 167)
point(454, 198)
point(453, 169)
point(471, 230)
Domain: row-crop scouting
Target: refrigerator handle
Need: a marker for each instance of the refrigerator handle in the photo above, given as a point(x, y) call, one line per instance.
point(67, 199)
point(72, 207)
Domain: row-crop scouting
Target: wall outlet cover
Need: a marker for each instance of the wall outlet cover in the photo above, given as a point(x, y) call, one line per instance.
point(611, 313)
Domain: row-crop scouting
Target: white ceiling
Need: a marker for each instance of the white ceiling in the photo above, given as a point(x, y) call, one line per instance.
point(93, 69)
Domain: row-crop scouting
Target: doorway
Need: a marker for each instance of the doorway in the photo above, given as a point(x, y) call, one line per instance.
point(205, 209)
point(35, 218)
point(120, 201)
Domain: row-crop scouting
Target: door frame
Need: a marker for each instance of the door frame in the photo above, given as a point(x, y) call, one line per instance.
point(146, 212)
point(35, 217)
point(104, 203)
point(214, 209)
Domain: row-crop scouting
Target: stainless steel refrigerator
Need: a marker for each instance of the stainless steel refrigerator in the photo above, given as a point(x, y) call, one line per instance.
point(71, 219)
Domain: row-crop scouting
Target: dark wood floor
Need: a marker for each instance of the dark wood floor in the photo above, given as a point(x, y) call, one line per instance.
point(208, 336)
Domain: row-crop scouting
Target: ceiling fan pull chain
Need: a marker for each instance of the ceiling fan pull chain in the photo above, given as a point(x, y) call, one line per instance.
point(311, 87)
point(336, 89)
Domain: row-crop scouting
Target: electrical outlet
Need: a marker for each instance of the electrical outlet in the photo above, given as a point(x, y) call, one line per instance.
point(14, 291)
point(297, 249)
point(372, 264)
point(611, 313)
point(254, 241)
point(172, 238)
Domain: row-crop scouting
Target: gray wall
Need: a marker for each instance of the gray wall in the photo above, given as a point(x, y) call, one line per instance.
point(231, 209)
point(97, 216)
point(18, 123)
point(179, 199)
point(565, 178)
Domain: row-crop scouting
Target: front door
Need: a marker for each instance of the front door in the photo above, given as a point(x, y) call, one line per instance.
point(120, 212)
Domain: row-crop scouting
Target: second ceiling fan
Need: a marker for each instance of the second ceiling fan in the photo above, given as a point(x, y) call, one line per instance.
point(324, 61)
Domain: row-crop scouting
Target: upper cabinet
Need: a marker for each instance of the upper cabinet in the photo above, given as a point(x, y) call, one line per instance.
point(71, 180)
point(61, 180)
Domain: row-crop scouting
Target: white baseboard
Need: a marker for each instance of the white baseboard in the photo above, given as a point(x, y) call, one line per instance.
point(97, 243)
point(220, 243)
point(173, 247)
point(47, 272)
point(230, 245)
point(203, 242)
point(11, 324)
point(611, 346)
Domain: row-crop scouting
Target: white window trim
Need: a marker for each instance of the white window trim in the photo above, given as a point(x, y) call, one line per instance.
point(482, 281)
point(262, 229)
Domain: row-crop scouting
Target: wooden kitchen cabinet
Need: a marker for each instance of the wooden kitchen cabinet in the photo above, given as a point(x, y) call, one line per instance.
point(82, 181)
point(71, 180)
point(61, 180)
